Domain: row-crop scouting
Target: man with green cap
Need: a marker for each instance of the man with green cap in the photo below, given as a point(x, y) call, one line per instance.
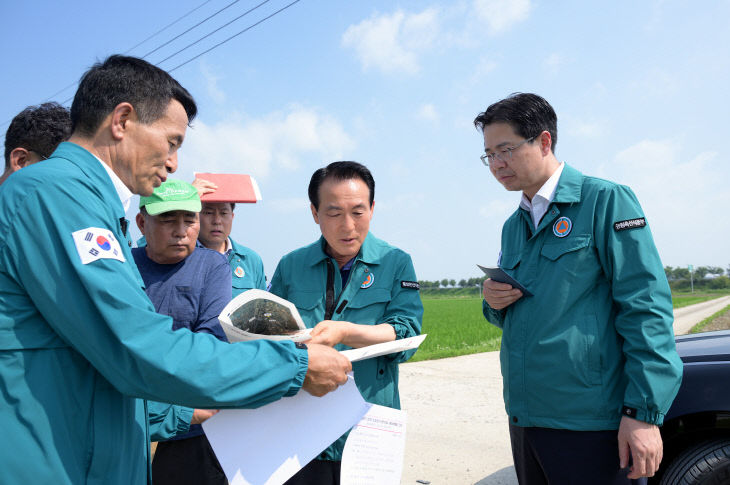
point(192, 285)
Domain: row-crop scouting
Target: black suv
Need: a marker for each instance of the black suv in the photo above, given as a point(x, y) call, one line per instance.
point(696, 430)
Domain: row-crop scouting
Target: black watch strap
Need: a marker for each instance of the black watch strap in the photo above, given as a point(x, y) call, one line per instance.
point(300, 345)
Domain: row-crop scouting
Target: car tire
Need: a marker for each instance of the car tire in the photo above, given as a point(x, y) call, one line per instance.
point(706, 463)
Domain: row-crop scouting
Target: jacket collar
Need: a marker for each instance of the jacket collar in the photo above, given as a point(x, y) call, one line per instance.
point(569, 186)
point(92, 167)
point(236, 248)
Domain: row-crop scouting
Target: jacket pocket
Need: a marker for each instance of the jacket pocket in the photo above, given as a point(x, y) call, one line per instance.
point(566, 372)
point(368, 306)
point(572, 261)
point(555, 250)
point(310, 305)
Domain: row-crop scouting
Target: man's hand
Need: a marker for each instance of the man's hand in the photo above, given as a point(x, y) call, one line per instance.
point(327, 370)
point(644, 443)
point(204, 186)
point(200, 415)
point(330, 333)
point(500, 295)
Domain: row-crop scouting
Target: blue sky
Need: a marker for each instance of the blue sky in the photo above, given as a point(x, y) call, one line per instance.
point(640, 89)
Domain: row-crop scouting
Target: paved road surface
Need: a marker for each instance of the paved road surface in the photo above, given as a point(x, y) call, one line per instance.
point(457, 427)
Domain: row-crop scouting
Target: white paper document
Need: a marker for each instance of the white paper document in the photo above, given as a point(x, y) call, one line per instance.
point(266, 446)
point(374, 450)
point(383, 349)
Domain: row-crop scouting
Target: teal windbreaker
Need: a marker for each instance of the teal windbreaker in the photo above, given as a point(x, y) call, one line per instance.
point(597, 334)
point(247, 269)
point(374, 294)
point(80, 343)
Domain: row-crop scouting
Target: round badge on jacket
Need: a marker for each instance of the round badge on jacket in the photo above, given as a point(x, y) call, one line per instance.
point(562, 227)
point(239, 272)
point(368, 281)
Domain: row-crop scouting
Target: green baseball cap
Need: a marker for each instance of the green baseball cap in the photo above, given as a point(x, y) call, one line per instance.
point(172, 195)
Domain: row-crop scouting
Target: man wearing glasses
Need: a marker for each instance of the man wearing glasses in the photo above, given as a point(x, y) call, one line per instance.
point(592, 352)
point(33, 135)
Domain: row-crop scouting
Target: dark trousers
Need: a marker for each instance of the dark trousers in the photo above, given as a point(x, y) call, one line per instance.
point(187, 462)
point(546, 456)
point(317, 472)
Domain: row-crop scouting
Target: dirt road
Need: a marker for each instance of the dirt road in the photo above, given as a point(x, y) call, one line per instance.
point(689, 316)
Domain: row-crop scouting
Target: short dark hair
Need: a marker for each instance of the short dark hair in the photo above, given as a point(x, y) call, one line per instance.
point(340, 171)
point(38, 128)
point(528, 114)
point(122, 79)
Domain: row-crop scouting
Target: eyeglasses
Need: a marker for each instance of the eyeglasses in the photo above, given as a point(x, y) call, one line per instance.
point(504, 155)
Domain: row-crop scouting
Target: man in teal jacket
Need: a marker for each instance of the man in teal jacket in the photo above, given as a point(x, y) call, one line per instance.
point(80, 342)
point(354, 289)
point(216, 221)
point(593, 350)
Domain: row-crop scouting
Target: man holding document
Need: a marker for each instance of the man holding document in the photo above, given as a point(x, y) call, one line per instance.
point(354, 289)
point(80, 341)
point(591, 352)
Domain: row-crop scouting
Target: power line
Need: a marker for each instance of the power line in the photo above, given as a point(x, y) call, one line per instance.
point(213, 32)
point(139, 44)
point(191, 28)
point(166, 27)
point(7, 122)
point(196, 42)
point(235, 35)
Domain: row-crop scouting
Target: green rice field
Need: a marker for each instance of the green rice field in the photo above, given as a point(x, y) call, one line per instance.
point(455, 324)
point(455, 327)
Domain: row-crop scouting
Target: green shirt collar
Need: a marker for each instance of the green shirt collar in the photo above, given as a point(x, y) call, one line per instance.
point(367, 254)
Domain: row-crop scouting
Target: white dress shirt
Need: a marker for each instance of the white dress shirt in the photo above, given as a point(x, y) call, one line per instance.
point(540, 202)
point(125, 195)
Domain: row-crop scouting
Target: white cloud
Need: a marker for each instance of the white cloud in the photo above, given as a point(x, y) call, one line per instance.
point(279, 140)
point(290, 205)
point(211, 84)
point(658, 82)
point(681, 194)
point(554, 63)
point(501, 15)
point(498, 209)
point(427, 112)
point(393, 42)
point(583, 128)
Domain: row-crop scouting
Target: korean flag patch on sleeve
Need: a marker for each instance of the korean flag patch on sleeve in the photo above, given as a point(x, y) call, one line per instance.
point(95, 243)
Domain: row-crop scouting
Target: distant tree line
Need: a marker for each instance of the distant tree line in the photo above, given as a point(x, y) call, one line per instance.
point(447, 283)
point(703, 277)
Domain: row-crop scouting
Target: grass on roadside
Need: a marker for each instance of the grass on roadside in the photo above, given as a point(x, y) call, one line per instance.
point(456, 327)
point(701, 327)
point(683, 299)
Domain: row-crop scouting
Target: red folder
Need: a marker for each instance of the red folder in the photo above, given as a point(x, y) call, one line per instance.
point(232, 187)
